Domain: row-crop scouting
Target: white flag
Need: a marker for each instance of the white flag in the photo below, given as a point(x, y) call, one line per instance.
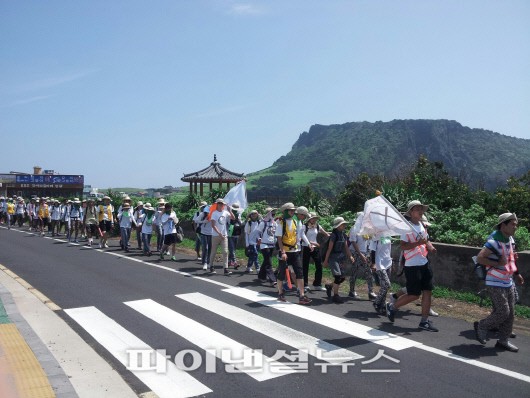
point(382, 219)
point(238, 194)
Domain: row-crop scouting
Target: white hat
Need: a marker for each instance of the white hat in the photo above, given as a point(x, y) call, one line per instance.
point(414, 203)
point(337, 222)
point(505, 217)
point(288, 206)
point(302, 210)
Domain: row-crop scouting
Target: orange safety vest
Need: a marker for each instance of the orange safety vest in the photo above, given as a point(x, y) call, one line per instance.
point(420, 250)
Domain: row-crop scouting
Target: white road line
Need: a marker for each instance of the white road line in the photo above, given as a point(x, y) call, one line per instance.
point(208, 339)
point(334, 322)
point(482, 365)
point(117, 340)
point(274, 330)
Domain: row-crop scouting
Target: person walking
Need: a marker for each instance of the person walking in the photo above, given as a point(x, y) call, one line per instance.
point(147, 228)
point(219, 221)
point(90, 221)
point(127, 223)
point(359, 246)
point(289, 233)
point(234, 232)
point(335, 258)
point(498, 256)
point(381, 246)
point(251, 240)
point(418, 271)
point(267, 242)
point(106, 220)
point(138, 213)
point(168, 222)
point(312, 230)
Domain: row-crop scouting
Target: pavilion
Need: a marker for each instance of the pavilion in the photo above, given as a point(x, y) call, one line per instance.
point(214, 173)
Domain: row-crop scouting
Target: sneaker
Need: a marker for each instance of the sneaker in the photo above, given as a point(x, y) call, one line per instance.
point(306, 289)
point(390, 312)
point(372, 296)
point(257, 270)
point(337, 299)
point(212, 270)
point(513, 335)
point(106, 245)
point(328, 290)
point(173, 258)
point(228, 272)
point(205, 267)
point(377, 307)
point(433, 313)
point(248, 270)
point(304, 300)
point(506, 346)
point(236, 266)
point(281, 297)
point(319, 287)
point(353, 295)
point(274, 284)
point(427, 325)
point(480, 334)
point(297, 292)
point(168, 253)
point(199, 259)
point(100, 246)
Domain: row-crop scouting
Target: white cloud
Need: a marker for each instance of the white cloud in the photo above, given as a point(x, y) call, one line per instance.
point(246, 9)
point(55, 81)
point(30, 100)
point(222, 111)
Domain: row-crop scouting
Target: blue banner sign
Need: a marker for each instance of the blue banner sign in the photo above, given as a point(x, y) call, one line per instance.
point(50, 179)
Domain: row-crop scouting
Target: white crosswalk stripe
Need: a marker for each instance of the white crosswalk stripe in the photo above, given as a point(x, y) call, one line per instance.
point(208, 339)
point(274, 330)
point(118, 341)
point(340, 324)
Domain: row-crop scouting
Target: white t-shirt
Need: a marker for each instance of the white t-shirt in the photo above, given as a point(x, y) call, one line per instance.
point(221, 219)
point(169, 222)
point(361, 242)
point(417, 259)
point(383, 253)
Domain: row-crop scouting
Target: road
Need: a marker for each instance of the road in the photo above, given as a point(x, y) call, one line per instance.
point(234, 339)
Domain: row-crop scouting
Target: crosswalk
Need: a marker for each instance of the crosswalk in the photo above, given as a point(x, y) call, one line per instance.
point(164, 377)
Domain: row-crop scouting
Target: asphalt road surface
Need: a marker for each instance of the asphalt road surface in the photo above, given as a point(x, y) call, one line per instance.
point(171, 328)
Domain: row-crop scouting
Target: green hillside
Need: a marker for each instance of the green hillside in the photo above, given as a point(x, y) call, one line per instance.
point(327, 157)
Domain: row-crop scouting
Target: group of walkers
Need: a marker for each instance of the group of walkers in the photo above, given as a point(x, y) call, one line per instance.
point(87, 220)
point(294, 234)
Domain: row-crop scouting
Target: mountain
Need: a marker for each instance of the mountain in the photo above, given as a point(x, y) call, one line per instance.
point(327, 157)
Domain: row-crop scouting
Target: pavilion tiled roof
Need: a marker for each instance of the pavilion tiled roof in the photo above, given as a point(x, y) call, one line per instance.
point(214, 173)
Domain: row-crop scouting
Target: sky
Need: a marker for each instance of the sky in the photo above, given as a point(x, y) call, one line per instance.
point(137, 93)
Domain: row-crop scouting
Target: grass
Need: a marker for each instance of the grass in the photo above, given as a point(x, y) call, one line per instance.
point(297, 178)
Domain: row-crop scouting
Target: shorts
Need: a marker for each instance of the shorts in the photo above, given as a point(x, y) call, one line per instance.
point(335, 262)
point(92, 228)
point(419, 278)
point(170, 239)
point(105, 226)
point(295, 260)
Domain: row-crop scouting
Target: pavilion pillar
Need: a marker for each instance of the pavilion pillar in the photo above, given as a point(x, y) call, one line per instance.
point(202, 191)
